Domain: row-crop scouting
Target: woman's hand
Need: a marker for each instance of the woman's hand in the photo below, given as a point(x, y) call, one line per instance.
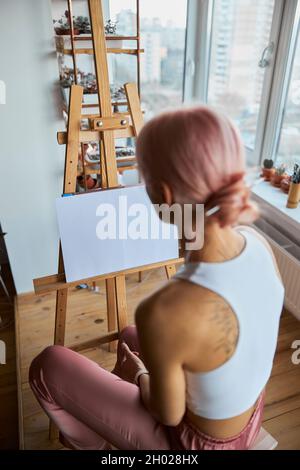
point(131, 364)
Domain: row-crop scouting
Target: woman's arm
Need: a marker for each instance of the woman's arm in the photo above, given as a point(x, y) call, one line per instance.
point(163, 390)
point(167, 405)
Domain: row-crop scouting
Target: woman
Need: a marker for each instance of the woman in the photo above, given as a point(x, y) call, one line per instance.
point(192, 373)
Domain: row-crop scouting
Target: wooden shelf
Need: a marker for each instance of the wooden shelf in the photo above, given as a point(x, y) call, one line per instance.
point(93, 168)
point(88, 37)
point(108, 38)
point(73, 46)
point(66, 44)
point(90, 51)
point(122, 38)
point(89, 168)
point(121, 169)
point(96, 105)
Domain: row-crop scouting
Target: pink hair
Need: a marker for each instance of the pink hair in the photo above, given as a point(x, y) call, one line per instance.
point(199, 154)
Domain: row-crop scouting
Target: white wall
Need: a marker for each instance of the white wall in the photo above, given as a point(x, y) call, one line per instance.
point(31, 162)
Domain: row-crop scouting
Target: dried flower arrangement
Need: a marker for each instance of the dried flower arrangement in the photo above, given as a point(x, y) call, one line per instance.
point(294, 191)
point(296, 174)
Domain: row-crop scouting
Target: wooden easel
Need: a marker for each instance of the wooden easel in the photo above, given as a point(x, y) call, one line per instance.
point(103, 128)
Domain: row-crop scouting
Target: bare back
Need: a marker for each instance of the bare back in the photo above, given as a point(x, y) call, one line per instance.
point(198, 331)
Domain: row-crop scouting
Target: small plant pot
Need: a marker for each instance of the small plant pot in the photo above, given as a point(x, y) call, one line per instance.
point(91, 183)
point(285, 185)
point(59, 31)
point(276, 179)
point(90, 90)
point(66, 32)
point(85, 31)
point(267, 173)
point(294, 196)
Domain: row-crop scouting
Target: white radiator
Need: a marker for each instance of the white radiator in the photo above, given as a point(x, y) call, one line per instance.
point(287, 254)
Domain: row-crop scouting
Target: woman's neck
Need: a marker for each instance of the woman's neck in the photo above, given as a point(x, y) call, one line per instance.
point(220, 244)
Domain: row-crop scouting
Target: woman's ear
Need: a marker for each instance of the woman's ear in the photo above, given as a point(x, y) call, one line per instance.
point(168, 197)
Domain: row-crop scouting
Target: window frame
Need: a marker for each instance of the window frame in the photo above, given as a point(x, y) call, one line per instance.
point(281, 78)
point(276, 80)
point(198, 47)
point(256, 156)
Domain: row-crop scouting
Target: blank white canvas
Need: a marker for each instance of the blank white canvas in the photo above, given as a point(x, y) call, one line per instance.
point(85, 255)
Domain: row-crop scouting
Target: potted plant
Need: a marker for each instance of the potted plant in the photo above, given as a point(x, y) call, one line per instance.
point(268, 169)
point(294, 192)
point(110, 29)
point(82, 23)
point(91, 153)
point(89, 183)
point(66, 77)
point(89, 83)
point(279, 175)
point(125, 151)
point(62, 26)
point(117, 93)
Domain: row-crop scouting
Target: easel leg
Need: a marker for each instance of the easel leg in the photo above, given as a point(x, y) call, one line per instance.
point(170, 271)
point(116, 306)
point(60, 317)
point(121, 302)
point(111, 307)
point(59, 339)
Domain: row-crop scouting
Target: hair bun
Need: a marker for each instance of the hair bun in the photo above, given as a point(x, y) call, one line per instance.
point(232, 203)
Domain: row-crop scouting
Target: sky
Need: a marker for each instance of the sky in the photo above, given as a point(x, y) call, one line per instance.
point(166, 10)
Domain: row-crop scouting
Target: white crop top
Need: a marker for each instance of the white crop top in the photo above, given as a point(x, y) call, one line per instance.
point(250, 285)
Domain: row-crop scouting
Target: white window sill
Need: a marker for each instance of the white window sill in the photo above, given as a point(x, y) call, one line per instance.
point(273, 205)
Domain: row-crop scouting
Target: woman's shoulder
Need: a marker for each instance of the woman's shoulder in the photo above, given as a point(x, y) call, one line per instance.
point(176, 304)
point(173, 294)
point(156, 306)
point(192, 319)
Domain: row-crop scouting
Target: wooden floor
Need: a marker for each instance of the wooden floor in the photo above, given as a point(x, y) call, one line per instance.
point(9, 437)
point(87, 320)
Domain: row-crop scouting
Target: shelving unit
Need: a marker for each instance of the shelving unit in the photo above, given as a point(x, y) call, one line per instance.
point(60, 47)
point(74, 45)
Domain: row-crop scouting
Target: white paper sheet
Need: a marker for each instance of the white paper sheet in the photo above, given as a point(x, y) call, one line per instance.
point(81, 217)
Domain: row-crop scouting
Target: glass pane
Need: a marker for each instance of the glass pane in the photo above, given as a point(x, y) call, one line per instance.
point(289, 146)
point(163, 28)
point(122, 69)
point(241, 31)
point(123, 14)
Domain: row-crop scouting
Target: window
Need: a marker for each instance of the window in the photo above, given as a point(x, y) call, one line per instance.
point(243, 57)
point(289, 142)
point(240, 33)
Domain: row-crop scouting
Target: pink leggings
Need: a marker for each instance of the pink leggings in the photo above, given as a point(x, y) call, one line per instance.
point(95, 409)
